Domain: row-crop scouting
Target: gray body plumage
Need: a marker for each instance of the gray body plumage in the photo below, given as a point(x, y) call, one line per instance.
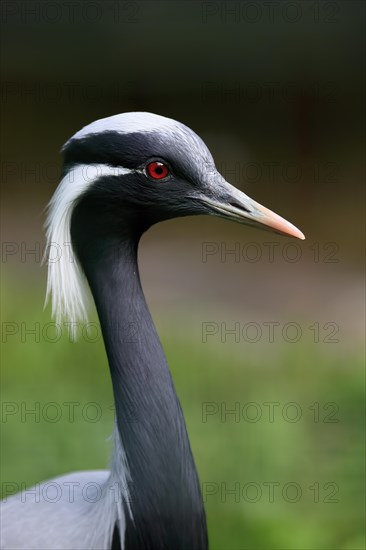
point(76, 511)
point(36, 521)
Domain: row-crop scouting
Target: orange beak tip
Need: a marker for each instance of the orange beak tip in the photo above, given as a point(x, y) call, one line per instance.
point(276, 222)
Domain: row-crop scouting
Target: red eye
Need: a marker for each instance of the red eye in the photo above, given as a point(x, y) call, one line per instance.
point(157, 170)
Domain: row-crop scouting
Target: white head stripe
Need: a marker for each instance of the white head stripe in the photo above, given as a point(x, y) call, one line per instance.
point(66, 285)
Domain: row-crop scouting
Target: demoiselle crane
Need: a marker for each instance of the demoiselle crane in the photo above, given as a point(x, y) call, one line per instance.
point(121, 175)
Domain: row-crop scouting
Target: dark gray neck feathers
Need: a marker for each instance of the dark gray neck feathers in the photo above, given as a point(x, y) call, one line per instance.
point(165, 496)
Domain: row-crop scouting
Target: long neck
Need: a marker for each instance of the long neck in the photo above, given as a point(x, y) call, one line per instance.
point(165, 498)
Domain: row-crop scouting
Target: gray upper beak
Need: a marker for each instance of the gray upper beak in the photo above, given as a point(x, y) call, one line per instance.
point(237, 206)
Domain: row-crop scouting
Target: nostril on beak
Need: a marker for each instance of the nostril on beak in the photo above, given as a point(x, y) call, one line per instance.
point(239, 206)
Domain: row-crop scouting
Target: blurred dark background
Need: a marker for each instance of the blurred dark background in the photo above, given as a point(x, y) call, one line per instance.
point(276, 89)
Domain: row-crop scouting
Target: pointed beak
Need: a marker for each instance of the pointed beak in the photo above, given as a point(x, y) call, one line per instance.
point(237, 206)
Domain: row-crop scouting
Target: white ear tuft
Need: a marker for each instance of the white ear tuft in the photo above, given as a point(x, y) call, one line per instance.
point(66, 286)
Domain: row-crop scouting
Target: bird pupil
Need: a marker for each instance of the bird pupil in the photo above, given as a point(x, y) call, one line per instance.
point(159, 170)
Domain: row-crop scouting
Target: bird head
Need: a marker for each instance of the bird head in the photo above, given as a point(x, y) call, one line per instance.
point(153, 168)
point(126, 172)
